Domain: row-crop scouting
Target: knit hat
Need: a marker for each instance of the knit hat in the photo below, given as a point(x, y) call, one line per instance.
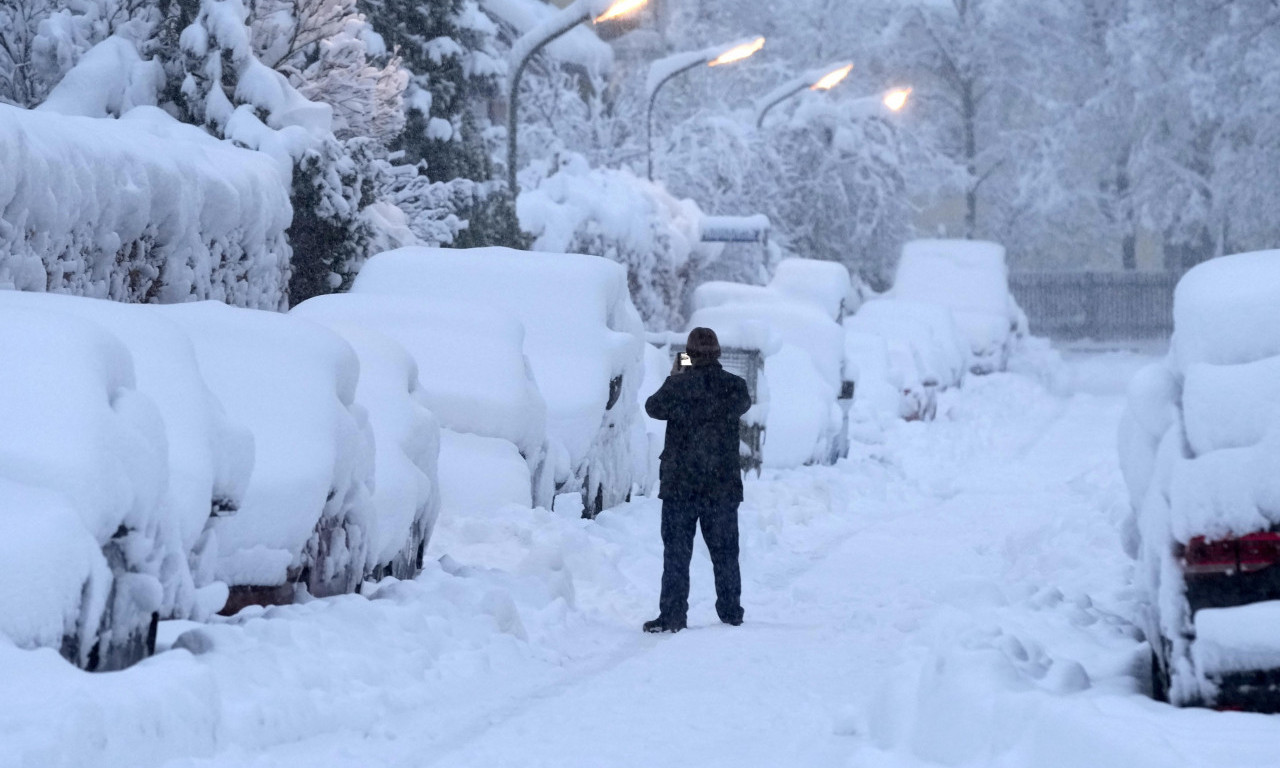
point(703, 344)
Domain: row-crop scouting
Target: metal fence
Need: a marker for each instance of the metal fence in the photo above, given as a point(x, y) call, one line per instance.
point(1097, 305)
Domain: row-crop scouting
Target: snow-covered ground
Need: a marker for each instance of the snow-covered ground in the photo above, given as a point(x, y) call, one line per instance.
point(956, 595)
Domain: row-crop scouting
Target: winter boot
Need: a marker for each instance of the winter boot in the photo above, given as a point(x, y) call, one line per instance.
point(661, 624)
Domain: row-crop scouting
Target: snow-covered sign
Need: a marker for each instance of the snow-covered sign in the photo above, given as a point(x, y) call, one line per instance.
point(583, 338)
point(736, 229)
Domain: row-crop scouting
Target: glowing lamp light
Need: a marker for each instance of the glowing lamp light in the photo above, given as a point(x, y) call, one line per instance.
point(896, 99)
point(832, 79)
point(621, 8)
point(738, 53)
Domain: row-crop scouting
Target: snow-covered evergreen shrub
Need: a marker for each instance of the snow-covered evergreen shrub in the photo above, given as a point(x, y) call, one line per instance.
point(613, 213)
point(138, 210)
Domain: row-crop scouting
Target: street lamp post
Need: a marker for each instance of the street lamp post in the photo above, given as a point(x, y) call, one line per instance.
point(815, 80)
point(663, 71)
point(530, 43)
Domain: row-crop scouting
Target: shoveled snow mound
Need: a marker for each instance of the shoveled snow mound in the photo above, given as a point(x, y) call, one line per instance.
point(479, 475)
point(141, 209)
point(75, 425)
point(581, 334)
point(307, 506)
point(471, 364)
point(209, 456)
point(406, 493)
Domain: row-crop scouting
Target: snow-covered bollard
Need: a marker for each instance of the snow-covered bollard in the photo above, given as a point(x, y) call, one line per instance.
point(305, 514)
point(83, 467)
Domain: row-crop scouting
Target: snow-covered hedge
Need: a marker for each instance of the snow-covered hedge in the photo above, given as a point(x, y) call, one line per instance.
point(87, 547)
point(582, 336)
point(1199, 446)
point(140, 209)
point(637, 223)
point(307, 510)
point(970, 278)
point(406, 491)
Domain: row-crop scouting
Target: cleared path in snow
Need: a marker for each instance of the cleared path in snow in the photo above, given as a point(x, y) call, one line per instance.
point(955, 596)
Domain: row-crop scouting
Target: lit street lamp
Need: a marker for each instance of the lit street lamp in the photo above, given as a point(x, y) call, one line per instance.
point(555, 26)
point(662, 71)
point(815, 80)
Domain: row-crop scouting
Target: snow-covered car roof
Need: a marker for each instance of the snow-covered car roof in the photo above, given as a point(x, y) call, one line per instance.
point(581, 329)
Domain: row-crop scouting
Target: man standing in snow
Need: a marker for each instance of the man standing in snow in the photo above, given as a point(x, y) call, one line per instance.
point(700, 478)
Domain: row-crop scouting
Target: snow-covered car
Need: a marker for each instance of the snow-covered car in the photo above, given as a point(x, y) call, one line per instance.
point(477, 382)
point(970, 278)
point(210, 458)
point(305, 515)
point(582, 335)
point(827, 284)
point(406, 491)
point(86, 541)
point(927, 352)
point(803, 352)
point(1200, 450)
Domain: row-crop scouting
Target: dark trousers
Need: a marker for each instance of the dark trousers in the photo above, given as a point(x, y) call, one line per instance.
point(720, 531)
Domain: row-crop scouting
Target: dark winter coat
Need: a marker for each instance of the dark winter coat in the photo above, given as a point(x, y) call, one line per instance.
point(702, 407)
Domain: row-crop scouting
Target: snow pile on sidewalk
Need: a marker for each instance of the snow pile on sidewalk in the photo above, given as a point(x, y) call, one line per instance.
point(1200, 443)
point(140, 209)
point(583, 339)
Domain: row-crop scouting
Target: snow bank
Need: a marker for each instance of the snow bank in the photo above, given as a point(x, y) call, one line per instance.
point(141, 209)
point(406, 493)
point(1199, 444)
point(75, 426)
point(614, 214)
point(479, 475)
point(306, 511)
point(970, 278)
point(583, 338)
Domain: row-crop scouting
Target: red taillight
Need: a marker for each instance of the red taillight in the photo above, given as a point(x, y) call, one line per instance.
point(1200, 556)
point(1247, 554)
point(1258, 551)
